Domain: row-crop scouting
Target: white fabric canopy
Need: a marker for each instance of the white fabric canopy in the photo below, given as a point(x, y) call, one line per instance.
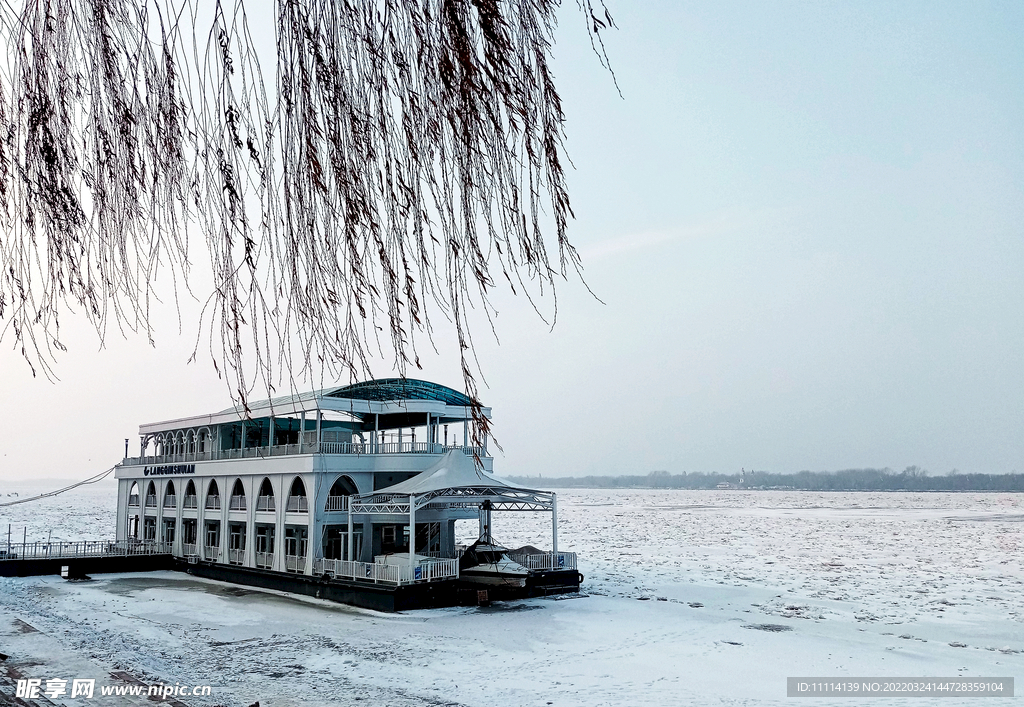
point(455, 469)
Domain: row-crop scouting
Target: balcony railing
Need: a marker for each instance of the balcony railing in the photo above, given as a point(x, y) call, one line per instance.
point(151, 501)
point(265, 503)
point(189, 502)
point(133, 500)
point(325, 446)
point(295, 563)
point(189, 549)
point(380, 573)
point(237, 503)
point(236, 556)
point(336, 503)
point(297, 504)
point(169, 501)
point(265, 560)
point(211, 553)
point(213, 503)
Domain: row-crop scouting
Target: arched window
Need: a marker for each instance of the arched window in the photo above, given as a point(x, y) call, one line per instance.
point(337, 497)
point(265, 500)
point(169, 498)
point(237, 496)
point(151, 495)
point(190, 495)
point(133, 494)
point(213, 497)
point(297, 497)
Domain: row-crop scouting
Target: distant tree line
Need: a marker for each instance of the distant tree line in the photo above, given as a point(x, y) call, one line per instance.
point(912, 478)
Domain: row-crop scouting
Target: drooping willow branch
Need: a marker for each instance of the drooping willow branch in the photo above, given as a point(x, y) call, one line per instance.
point(385, 159)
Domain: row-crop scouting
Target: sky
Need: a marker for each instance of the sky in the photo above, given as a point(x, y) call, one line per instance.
point(802, 224)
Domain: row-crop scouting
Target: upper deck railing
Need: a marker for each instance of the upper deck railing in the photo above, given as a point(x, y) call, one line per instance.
point(324, 447)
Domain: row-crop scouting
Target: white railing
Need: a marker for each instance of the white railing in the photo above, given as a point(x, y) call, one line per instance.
point(189, 549)
point(237, 503)
point(326, 446)
point(295, 563)
point(211, 553)
point(297, 504)
point(133, 500)
point(336, 503)
point(265, 503)
point(190, 502)
point(236, 556)
point(441, 555)
point(169, 501)
point(395, 448)
point(546, 561)
point(265, 560)
point(92, 548)
point(213, 503)
point(381, 573)
point(151, 501)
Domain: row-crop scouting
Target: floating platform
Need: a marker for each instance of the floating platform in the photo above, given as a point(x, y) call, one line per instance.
point(354, 592)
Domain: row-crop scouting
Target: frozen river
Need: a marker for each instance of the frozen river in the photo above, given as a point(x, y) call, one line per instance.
point(691, 598)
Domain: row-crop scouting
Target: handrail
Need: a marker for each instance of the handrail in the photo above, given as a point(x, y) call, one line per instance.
point(546, 560)
point(326, 446)
point(336, 503)
point(87, 548)
point(237, 503)
point(297, 504)
point(381, 573)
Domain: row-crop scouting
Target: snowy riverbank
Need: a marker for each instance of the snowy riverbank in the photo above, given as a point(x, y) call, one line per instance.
point(693, 597)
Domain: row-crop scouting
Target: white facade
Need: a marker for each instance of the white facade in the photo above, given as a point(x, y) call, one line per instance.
point(310, 453)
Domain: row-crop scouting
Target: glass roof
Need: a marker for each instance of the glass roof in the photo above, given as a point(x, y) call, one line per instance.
point(401, 389)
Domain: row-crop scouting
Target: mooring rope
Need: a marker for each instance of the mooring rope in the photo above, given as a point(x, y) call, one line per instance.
point(90, 480)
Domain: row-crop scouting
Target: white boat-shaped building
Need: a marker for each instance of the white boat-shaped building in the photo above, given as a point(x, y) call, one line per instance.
point(350, 493)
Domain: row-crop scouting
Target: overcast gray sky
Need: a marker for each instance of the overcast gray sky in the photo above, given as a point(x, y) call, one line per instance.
point(805, 222)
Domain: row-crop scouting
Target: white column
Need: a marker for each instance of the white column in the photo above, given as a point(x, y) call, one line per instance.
point(554, 524)
point(412, 536)
point(376, 432)
point(302, 431)
point(350, 541)
point(281, 502)
point(313, 543)
point(270, 435)
point(319, 420)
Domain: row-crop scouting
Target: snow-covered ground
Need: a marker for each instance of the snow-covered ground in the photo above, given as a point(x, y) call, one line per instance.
point(691, 598)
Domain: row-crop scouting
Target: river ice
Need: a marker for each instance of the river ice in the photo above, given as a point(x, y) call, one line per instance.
point(690, 598)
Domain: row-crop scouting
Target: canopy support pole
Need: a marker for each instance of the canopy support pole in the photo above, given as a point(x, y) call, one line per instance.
point(554, 525)
point(412, 537)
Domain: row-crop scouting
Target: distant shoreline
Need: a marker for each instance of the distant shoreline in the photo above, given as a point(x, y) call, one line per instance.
point(910, 480)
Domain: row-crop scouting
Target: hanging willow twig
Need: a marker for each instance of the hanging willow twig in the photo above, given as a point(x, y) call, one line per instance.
point(406, 154)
